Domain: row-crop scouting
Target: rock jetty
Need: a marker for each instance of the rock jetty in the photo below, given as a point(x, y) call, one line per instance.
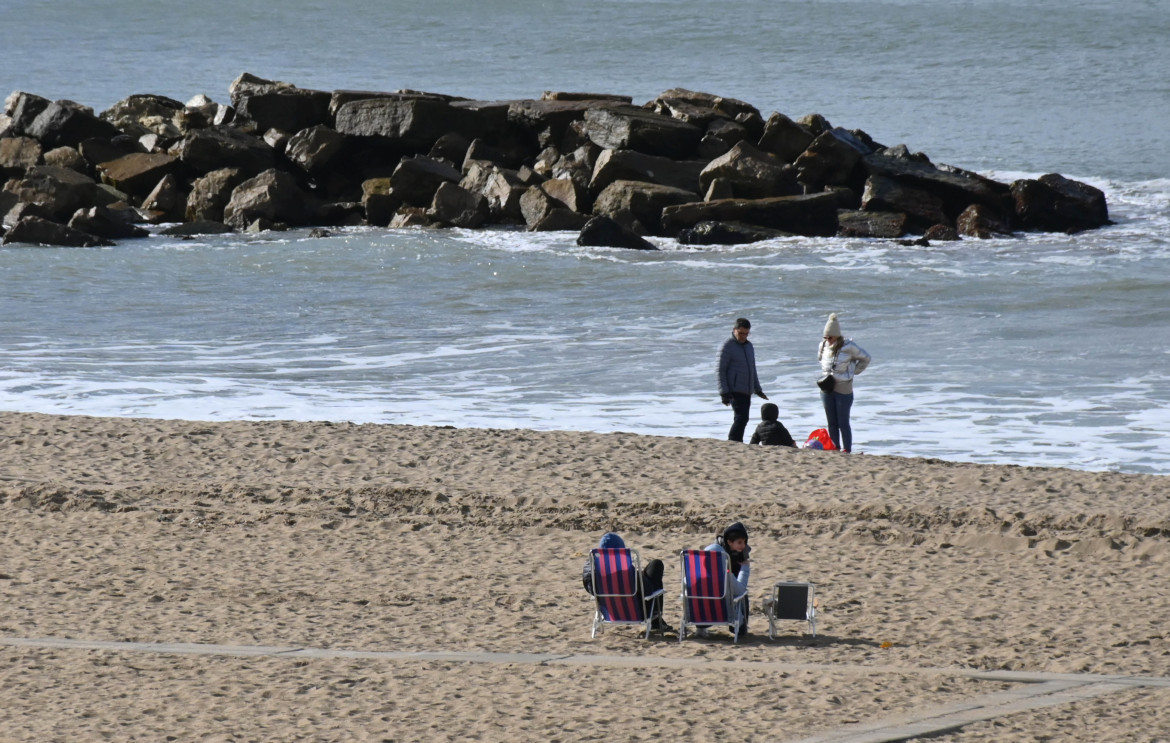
point(696, 167)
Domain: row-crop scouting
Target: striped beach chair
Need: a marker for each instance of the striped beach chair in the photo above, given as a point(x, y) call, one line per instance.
point(617, 590)
point(792, 600)
point(708, 598)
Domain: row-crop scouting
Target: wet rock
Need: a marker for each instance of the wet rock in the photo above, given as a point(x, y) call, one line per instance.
point(980, 221)
point(314, 148)
point(1054, 203)
point(604, 232)
point(561, 220)
point(883, 194)
point(813, 215)
point(102, 221)
point(136, 174)
point(38, 231)
point(751, 173)
point(378, 201)
point(871, 224)
point(211, 193)
point(830, 159)
point(338, 214)
point(273, 195)
point(410, 216)
point(942, 233)
point(458, 207)
point(955, 188)
point(58, 191)
point(205, 150)
point(728, 233)
point(633, 128)
point(645, 201)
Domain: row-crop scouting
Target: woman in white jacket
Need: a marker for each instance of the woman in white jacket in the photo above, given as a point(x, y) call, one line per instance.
point(843, 359)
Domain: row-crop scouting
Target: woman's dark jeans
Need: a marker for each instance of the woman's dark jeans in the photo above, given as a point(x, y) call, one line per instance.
point(837, 416)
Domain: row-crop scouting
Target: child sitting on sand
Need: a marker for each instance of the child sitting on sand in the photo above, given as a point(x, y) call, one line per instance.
point(770, 431)
point(651, 579)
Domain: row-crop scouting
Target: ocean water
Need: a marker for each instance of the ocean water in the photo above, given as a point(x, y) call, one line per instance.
point(1041, 349)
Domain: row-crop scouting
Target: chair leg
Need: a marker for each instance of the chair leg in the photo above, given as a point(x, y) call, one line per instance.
point(596, 624)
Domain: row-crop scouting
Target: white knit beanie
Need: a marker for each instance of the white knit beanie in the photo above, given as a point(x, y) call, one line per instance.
point(832, 327)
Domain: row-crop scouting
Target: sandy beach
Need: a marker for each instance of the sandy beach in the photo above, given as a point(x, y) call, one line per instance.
point(939, 583)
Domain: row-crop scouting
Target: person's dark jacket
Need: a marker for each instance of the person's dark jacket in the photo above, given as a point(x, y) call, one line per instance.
point(772, 433)
point(737, 369)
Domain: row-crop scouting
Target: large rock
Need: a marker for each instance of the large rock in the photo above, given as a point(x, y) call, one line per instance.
point(604, 232)
point(97, 151)
point(550, 119)
point(65, 123)
point(205, 150)
point(164, 116)
point(1054, 203)
point(23, 108)
point(728, 233)
point(67, 157)
point(167, 202)
point(18, 154)
point(645, 201)
point(416, 179)
point(629, 165)
point(871, 224)
point(752, 173)
point(411, 123)
point(830, 159)
point(561, 220)
point(568, 192)
point(696, 102)
point(211, 193)
point(633, 128)
point(458, 207)
point(38, 231)
point(503, 191)
point(379, 203)
point(956, 188)
point(138, 173)
point(278, 105)
point(884, 194)
point(101, 221)
point(273, 195)
point(59, 192)
point(983, 222)
point(785, 138)
point(535, 205)
point(314, 148)
point(813, 215)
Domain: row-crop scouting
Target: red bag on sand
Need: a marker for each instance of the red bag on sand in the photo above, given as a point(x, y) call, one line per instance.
point(819, 439)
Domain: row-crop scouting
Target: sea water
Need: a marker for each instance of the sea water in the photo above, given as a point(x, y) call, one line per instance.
point(1040, 349)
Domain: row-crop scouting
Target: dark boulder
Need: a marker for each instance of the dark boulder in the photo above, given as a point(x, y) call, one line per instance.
point(785, 138)
point(205, 150)
point(67, 157)
point(870, 224)
point(752, 173)
point(721, 106)
point(167, 202)
point(97, 151)
point(416, 179)
point(728, 233)
point(629, 165)
point(211, 193)
point(983, 222)
point(604, 232)
point(378, 201)
point(23, 108)
point(645, 201)
point(338, 214)
point(453, 148)
point(561, 220)
point(136, 174)
point(549, 120)
point(101, 221)
point(727, 132)
point(59, 192)
point(942, 233)
point(414, 124)
point(314, 148)
point(278, 105)
point(457, 207)
point(37, 231)
point(273, 196)
point(956, 188)
point(536, 204)
point(569, 193)
point(633, 128)
point(830, 159)
point(68, 124)
point(1054, 203)
point(883, 194)
point(813, 215)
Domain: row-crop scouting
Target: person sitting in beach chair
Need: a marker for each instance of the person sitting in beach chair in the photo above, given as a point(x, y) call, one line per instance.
point(709, 594)
point(623, 592)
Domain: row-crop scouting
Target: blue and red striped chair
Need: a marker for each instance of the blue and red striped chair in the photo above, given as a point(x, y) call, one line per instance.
point(708, 597)
point(617, 590)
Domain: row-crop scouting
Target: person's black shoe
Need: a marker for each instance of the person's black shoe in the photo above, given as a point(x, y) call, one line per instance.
point(658, 625)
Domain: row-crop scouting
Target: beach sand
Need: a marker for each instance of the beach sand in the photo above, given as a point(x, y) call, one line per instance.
point(468, 541)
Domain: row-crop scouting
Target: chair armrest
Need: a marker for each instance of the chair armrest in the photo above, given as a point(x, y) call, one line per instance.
point(654, 595)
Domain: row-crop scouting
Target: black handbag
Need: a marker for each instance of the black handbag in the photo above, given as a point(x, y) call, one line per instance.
point(826, 382)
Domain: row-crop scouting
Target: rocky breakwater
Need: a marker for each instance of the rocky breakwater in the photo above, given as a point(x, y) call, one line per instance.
point(699, 168)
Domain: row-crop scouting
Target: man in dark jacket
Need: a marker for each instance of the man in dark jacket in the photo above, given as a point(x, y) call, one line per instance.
point(738, 380)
